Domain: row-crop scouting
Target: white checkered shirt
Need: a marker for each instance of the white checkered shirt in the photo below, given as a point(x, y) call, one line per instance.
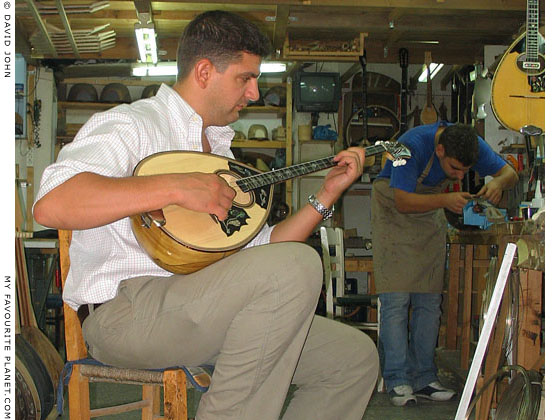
point(111, 143)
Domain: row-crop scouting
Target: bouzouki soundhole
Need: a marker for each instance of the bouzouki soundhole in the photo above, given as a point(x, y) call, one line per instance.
point(242, 199)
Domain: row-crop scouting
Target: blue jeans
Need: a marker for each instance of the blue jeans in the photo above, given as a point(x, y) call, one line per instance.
point(407, 351)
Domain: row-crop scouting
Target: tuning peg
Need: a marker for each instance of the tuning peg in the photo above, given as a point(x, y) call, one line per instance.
point(399, 162)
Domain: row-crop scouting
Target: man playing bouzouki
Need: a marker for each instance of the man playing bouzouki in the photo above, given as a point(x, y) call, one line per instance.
point(250, 314)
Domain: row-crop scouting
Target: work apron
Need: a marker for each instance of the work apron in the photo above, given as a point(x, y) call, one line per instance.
point(409, 250)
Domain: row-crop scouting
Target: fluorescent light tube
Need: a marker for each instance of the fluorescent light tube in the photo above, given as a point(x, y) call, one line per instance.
point(162, 69)
point(270, 67)
point(170, 69)
point(434, 68)
point(146, 40)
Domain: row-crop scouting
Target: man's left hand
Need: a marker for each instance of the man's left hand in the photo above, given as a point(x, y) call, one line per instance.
point(350, 165)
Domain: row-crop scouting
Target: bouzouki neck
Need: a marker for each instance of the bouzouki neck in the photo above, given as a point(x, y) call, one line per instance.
point(532, 35)
point(290, 172)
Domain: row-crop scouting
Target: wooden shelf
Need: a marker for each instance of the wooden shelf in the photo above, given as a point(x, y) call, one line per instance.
point(86, 105)
point(259, 144)
point(247, 144)
point(334, 50)
point(265, 109)
point(107, 105)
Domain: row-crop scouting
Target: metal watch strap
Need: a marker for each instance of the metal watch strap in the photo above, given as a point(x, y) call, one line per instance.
point(317, 205)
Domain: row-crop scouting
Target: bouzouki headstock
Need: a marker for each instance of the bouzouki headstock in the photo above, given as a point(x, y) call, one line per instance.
point(397, 152)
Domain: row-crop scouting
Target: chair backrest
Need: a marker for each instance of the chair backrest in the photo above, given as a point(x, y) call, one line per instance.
point(332, 247)
point(75, 344)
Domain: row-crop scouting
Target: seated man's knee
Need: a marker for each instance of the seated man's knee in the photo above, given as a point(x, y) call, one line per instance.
point(300, 266)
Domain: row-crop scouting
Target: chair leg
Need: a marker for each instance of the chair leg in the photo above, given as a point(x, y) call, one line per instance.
point(78, 396)
point(150, 393)
point(174, 394)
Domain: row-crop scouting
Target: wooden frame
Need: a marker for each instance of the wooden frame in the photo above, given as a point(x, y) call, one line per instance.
point(174, 381)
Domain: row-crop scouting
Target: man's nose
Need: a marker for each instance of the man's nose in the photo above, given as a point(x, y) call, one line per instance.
point(252, 92)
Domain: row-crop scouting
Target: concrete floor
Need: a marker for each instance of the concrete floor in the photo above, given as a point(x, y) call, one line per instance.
point(379, 407)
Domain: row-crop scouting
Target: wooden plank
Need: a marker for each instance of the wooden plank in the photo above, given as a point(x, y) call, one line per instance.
point(175, 394)
point(29, 199)
point(67, 28)
point(529, 339)
point(453, 296)
point(150, 393)
point(26, 312)
point(75, 346)
point(117, 409)
point(41, 25)
point(467, 304)
point(360, 264)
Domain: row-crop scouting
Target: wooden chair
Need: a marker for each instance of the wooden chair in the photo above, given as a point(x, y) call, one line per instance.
point(332, 250)
point(174, 380)
point(332, 247)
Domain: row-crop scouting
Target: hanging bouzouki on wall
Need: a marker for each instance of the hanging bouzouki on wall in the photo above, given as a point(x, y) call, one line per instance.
point(184, 241)
point(518, 84)
point(429, 114)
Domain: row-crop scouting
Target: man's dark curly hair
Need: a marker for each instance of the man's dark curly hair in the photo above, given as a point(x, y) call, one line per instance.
point(221, 37)
point(460, 141)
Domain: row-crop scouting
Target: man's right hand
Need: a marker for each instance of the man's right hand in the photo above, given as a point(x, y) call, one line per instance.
point(206, 193)
point(89, 200)
point(456, 201)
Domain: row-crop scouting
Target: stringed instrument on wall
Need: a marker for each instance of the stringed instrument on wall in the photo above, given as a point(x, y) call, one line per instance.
point(403, 62)
point(518, 84)
point(429, 114)
point(184, 241)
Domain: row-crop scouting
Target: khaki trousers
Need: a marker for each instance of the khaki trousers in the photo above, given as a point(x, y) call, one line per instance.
point(252, 315)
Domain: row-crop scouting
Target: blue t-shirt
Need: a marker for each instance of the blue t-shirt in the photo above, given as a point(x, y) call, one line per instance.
point(420, 141)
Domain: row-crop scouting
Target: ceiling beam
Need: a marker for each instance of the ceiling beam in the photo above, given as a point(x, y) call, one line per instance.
point(67, 27)
point(280, 28)
point(41, 26)
point(480, 5)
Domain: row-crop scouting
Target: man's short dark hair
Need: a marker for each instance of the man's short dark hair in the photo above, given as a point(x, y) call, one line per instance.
point(221, 37)
point(460, 141)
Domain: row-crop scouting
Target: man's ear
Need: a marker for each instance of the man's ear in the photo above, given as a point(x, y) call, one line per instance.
point(440, 151)
point(202, 72)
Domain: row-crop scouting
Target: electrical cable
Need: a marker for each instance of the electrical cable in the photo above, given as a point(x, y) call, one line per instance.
point(522, 398)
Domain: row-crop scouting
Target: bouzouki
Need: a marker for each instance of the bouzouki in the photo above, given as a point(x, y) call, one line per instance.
point(429, 114)
point(184, 241)
point(518, 84)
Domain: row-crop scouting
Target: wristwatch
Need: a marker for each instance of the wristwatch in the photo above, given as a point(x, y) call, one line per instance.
point(317, 205)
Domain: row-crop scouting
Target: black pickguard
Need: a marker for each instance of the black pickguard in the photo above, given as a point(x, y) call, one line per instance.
point(237, 216)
